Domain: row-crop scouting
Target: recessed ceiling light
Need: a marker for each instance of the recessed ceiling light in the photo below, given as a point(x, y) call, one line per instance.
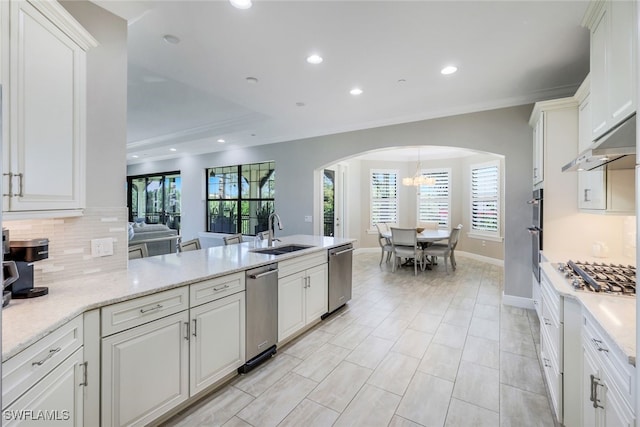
point(241, 4)
point(221, 141)
point(402, 80)
point(299, 104)
point(449, 69)
point(135, 156)
point(314, 59)
point(355, 91)
point(251, 80)
point(172, 149)
point(171, 39)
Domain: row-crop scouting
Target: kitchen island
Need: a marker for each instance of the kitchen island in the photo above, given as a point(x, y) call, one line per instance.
point(179, 317)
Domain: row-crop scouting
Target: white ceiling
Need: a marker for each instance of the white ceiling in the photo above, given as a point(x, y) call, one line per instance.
point(186, 96)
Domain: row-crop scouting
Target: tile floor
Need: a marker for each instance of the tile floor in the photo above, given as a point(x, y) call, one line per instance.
point(431, 350)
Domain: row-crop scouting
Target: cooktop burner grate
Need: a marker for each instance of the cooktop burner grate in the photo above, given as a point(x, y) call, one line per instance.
point(598, 277)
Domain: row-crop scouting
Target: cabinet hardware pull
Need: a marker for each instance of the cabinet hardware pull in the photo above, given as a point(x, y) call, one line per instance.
point(586, 195)
point(598, 345)
point(546, 321)
point(308, 282)
point(594, 391)
point(49, 356)
point(186, 330)
point(146, 310)
point(19, 175)
point(85, 367)
point(547, 363)
point(10, 193)
point(195, 327)
point(221, 288)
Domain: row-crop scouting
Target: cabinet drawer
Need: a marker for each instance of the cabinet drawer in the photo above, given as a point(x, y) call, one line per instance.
point(138, 311)
point(291, 266)
point(30, 365)
point(612, 360)
point(552, 301)
point(210, 290)
point(553, 376)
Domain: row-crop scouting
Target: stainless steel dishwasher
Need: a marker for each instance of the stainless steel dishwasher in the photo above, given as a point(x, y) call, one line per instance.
point(261, 315)
point(340, 274)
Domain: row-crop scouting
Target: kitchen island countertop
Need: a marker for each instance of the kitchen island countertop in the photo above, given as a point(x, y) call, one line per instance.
point(25, 321)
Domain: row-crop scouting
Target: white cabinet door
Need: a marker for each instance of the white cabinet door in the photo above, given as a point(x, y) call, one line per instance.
point(591, 416)
point(598, 71)
point(56, 400)
point(44, 156)
point(616, 411)
point(291, 303)
point(621, 61)
point(538, 150)
point(592, 187)
point(217, 340)
point(145, 371)
point(316, 298)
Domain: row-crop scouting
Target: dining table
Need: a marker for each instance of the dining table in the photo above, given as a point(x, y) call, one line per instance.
point(426, 236)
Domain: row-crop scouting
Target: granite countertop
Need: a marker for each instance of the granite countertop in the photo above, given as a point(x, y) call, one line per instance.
point(616, 315)
point(26, 321)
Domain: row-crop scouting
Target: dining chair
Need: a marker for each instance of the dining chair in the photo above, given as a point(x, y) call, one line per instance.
point(190, 245)
point(232, 239)
point(404, 242)
point(138, 251)
point(445, 250)
point(384, 242)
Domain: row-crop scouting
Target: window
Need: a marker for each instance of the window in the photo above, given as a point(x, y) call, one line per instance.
point(155, 199)
point(240, 198)
point(384, 196)
point(434, 201)
point(485, 199)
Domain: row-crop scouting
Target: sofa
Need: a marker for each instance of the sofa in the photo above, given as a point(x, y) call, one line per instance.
point(147, 233)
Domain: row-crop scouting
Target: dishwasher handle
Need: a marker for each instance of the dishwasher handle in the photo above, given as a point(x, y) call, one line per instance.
point(342, 252)
point(266, 273)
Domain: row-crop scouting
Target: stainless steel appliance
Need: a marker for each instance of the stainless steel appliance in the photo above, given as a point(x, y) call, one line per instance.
point(261, 315)
point(340, 268)
point(536, 231)
point(608, 279)
point(25, 253)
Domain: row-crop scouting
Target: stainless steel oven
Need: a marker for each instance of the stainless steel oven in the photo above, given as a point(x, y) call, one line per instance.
point(536, 231)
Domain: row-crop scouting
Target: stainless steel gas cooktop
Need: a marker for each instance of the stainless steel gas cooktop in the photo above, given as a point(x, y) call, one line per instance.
point(612, 279)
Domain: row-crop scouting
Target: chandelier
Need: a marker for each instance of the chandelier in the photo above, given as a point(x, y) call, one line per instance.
point(418, 178)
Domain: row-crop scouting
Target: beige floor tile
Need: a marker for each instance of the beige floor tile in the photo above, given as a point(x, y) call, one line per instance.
point(370, 352)
point(465, 414)
point(425, 322)
point(335, 325)
point(483, 328)
point(371, 407)
point(519, 408)
point(339, 387)
point(458, 317)
point(258, 381)
point(450, 335)
point(413, 343)
point(391, 328)
point(233, 422)
point(482, 352)
point(398, 421)
point(441, 361)
point(276, 403)
point(351, 336)
point(394, 373)
point(488, 299)
point(488, 312)
point(426, 400)
point(478, 385)
point(463, 302)
point(310, 414)
point(216, 409)
point(372, 318)
point(521, 372)
point(320, 364)
point(307, 344)
point(518, 343)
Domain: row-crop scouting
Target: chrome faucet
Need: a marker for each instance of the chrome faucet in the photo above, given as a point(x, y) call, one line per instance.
point(272, 228)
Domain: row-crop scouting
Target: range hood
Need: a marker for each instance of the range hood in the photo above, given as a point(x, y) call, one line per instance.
point(617, 148)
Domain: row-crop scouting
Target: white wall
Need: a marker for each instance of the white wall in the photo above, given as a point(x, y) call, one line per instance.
point(504, 132)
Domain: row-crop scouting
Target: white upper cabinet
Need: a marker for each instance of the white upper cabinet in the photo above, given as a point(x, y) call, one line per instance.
point(44, 145)
point(613, 63)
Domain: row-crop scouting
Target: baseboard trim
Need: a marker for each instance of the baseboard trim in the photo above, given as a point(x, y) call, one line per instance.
point(517, 301)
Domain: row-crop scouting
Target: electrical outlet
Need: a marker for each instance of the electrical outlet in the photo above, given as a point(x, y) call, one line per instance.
point(484, 243)
point(308, 218)
point(102, 247)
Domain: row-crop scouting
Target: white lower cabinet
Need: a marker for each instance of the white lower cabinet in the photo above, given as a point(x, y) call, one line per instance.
point(56, 400)
point(145, 371)
point(217, 340)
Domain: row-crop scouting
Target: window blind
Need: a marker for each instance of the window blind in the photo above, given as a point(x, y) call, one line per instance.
point(384, 197)
point(434, 200)
point(485, 195)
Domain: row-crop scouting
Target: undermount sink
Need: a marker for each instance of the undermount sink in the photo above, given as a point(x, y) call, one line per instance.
point(281, 250)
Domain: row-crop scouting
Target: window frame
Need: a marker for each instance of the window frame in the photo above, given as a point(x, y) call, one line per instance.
point(395, 172)
point(433, 171)
point(486, 234)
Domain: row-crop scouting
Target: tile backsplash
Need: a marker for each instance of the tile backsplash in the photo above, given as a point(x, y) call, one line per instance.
point(70, 243)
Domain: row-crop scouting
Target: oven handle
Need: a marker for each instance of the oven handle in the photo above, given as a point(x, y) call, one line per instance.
point(533, 230)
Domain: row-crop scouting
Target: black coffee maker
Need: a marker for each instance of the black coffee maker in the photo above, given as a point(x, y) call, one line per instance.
point(25, 253)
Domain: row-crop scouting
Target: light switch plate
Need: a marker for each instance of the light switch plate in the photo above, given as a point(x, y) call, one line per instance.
point(102, 247)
